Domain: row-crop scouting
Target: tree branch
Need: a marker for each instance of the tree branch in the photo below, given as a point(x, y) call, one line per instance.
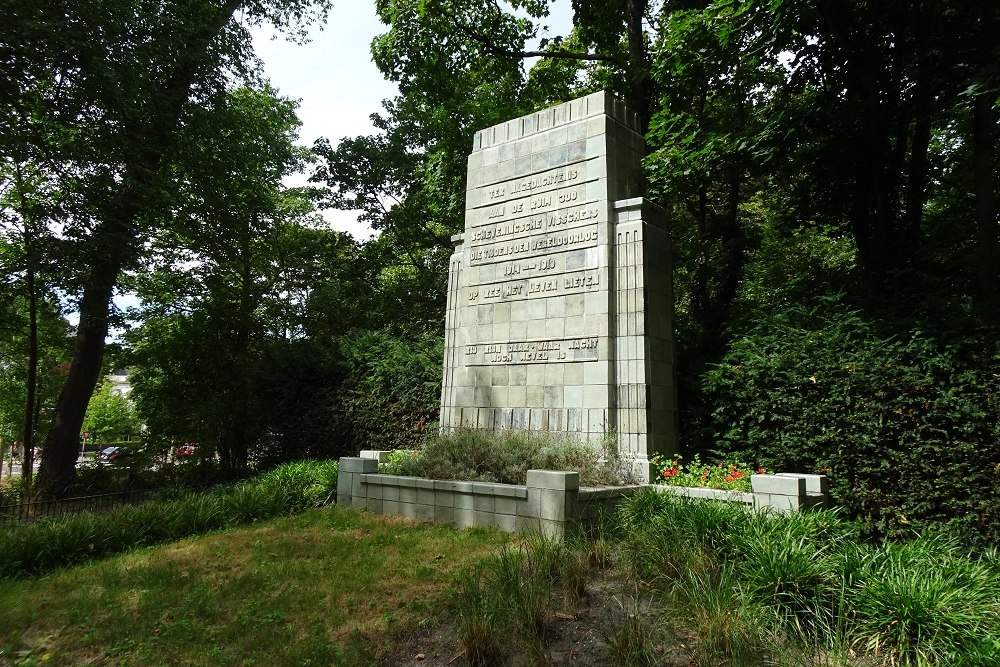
point(492, 48)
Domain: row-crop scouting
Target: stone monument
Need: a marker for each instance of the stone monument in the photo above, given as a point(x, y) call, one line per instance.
point(559, 290)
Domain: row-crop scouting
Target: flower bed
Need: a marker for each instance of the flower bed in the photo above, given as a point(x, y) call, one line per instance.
point(724, 476)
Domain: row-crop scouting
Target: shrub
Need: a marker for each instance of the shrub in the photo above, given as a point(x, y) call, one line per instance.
point(904, 421)
point(392, 392)
point(726, 476)
point(11, 490)
point(401, 462)
point(506, 456)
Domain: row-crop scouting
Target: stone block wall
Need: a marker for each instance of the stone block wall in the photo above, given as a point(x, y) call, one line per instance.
point(548, 503)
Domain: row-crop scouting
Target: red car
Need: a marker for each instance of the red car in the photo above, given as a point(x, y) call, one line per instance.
point(186, 450)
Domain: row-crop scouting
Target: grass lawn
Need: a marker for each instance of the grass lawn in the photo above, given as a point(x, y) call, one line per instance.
point(330, 586)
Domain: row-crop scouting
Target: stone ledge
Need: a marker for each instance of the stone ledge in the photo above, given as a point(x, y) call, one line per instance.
point(816, 485)
point(783, 485)
point(594, 105)
point(471, 488)
point(395, 480)
point(551, 502)
point(588, 494)
point(554, 479)
point(352, 464)
point(706, 494)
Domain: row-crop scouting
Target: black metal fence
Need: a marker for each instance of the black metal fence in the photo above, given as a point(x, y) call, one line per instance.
point(30, 511)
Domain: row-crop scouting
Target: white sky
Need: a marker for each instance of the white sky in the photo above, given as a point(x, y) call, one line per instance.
point(335, 81)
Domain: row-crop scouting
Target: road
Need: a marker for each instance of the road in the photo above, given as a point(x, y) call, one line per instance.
point(16, 468)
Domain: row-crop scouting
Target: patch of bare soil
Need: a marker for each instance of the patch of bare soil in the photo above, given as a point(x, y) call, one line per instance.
point(591, 630)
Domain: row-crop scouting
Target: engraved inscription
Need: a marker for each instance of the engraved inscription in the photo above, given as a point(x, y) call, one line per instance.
point(554, 177)
point(571, 217)
point(585, 279)
point(513, 290)
point(583, 237)
point(541, 202)
point(526, 226)
point(549, 203)
point(544, 265)
point(532, 351)
point(539, 286)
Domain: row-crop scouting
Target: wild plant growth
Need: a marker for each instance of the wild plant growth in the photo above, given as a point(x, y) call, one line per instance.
point(501, 604)
point(51, 543)
point(749, 584)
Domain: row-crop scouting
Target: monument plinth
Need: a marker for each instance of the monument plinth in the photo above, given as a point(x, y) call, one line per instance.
point(559, 292)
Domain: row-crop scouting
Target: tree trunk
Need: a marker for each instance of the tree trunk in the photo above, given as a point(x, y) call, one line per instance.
point(58, 468)
point(988, 258)
point(638, 61)
point(916, 180)
point(31, 380)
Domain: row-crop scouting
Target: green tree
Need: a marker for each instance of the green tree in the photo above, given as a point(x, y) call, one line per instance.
point(110, 416)
point(107, 88)
point(18, 405)
point(231, 285)
point(408, 180)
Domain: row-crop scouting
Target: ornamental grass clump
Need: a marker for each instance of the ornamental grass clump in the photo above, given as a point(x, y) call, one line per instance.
point(728, 627)
point(813, 586)
point(781, 568)
point(925, 602)
point(501, 604)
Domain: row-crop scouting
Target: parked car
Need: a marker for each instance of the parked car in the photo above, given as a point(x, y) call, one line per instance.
point(188, 449)
point(112, 454)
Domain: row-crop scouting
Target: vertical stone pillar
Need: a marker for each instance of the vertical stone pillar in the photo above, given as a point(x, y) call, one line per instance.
point(452, 396)
point(349, 489)
point(555, 493)
point(645, 403)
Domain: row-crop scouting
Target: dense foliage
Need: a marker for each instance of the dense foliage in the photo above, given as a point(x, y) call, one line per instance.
point(904, 423)
point(507, 456)
point(392, 390)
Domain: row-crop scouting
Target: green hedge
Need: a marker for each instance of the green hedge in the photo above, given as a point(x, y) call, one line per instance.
point(907, 426)
point(392, 393)
point(39, 547)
